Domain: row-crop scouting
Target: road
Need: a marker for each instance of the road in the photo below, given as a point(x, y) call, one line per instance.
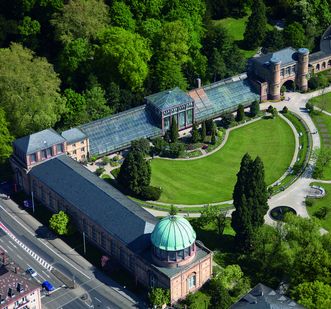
point(101, 291)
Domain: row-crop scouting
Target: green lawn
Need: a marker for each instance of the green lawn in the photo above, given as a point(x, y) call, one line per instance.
point(323, 124)
point(323, 202)
point(322, 101)
point(236, 28)
point(211, 179)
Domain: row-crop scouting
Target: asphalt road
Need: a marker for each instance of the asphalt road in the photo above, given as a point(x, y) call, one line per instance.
point(99, 295)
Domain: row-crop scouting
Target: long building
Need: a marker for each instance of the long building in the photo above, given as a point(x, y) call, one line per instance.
point(157, 254)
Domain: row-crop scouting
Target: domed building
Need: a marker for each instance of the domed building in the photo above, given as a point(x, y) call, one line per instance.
point(177, 261)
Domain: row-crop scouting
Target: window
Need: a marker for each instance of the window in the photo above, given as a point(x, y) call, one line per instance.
point(82, 142)
point(43, 154)
point(74, 152)
point(33, 157)
point(282, 72)
point(83, 149)
point(59, 148)
point(167, 123)
point(73, 145)
point(172, 255)
point(189, 116)
point(191, 281)
point(182, 119)
point(103, 241)
point(49, 152)
point(152, 280)
point(83, 157)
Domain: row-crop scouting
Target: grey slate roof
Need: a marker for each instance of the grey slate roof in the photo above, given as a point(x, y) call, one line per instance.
point(98, 200)
point(286, 56)
point(168, 99)
point(38, 141)
point(118, 131)
point(73, 135)
point(263, 297)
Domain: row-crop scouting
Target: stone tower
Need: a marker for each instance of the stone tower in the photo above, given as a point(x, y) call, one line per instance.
point(302, 70)
point(274, 85)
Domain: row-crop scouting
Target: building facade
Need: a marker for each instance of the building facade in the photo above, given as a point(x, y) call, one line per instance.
point(77, 144)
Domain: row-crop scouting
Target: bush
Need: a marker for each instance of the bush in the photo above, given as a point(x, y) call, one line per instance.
point(159, 145)
point(141, 145)
point(309, 202)
point(115, 172)
point(105, 160)
point(175, 150)
point(227, 120)
point(151, 193)
point(309, 107)
point(99, 171)
point(296, 168)
point(270, 109)
point(285, 110)
point(93, 158)
point(321, 213)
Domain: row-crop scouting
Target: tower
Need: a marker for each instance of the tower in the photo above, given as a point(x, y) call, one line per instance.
point(302, 72)
point(274, 86)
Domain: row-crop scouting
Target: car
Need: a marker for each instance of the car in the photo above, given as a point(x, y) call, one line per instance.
point(47, 286)
point(31, 272)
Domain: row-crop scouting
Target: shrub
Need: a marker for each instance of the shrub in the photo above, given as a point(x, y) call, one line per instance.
point(99, 171)
point(296, 168)
point(309, 202)
point(227, 120)
point(93, 158)
point(270, 109)
point(150, 193)
point(321, 213)
point(115, 172)
point(141, 145)
point(175, 150)
point(285, 110)
point(159, 145)
point(309, 107)
point(313, 82)
point(105, 160)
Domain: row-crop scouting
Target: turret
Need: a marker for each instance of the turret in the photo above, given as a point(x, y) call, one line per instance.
point(302, 72)
point(274, 87)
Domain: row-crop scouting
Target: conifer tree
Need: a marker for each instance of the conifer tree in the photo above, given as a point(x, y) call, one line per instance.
point(240, 113)
point(213, 135)
point(195, 133)
point(255, 108)
point(256, 26)
point(135, 172)
point(174, 130)
point(250, 201)
point(203, 132)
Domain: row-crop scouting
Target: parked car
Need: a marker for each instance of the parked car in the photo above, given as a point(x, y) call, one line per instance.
point(47, 286)
point(31, 272)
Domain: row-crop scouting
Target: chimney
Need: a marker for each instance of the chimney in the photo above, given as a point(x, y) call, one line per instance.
point(20, 288)
point(11, 292)
point(199, 82)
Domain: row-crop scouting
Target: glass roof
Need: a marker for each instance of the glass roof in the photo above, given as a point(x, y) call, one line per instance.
point(221, 97)
point(116, 132)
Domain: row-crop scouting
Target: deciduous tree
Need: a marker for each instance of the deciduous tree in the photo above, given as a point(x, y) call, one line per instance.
point(29, 91)
point(5, 138)
point(59, 223)
point(240, 113)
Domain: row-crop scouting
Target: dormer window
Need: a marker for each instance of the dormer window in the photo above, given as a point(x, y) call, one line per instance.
point(43, 154)
point(33, 158)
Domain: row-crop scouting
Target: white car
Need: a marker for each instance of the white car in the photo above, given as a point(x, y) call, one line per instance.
point(31, 272)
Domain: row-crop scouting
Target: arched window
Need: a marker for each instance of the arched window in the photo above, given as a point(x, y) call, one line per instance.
point(318, 67)
point(323, 65)
point(329, 63)
point(192, 281)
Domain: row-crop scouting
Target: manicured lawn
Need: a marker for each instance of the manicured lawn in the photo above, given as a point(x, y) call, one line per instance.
point(211, 179)
point(323, 202)
point(323, 101)
point(323, 124)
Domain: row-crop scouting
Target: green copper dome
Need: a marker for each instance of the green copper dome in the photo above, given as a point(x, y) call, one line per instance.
point(173, 233)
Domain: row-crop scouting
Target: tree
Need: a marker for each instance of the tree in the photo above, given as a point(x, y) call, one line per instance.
point(159, 297)
point(29, 91)
point(141, 145)
point(135, 172)
point(256, 25)
point(121, 16)
point(240, 113)
point(80, 19)
point(215, 215)
point(255, 108)
point(313, 295)
point(203, 131)
point(209, 126)
point(220, 298)
point(270, 109)
point(213, 135)
point(273, 40)
point(126, 56)
point(96, 103)
point(285, 110)
point(227, 120)
point(173, 130)
point(195, 135)
point(294, 35)
point(59, 223)
point(250, 201)
point(5, 138)
point(217, 67)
